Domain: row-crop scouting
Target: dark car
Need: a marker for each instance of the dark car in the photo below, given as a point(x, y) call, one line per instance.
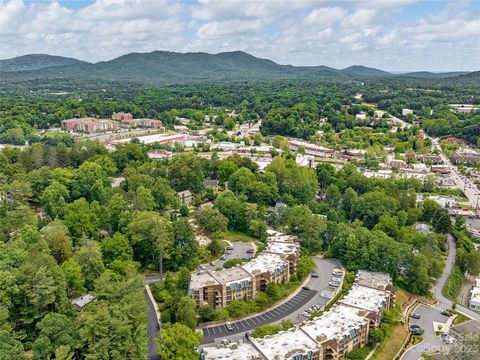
point(229, 247)
point(314, 275)
point(229, 327)
point(250, 251)
point(445, 313)
point(306, 288)
point(415, 316)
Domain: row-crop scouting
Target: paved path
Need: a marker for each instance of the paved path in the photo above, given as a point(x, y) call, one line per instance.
point(291, 309)
point(431, 343)
point(153, 324)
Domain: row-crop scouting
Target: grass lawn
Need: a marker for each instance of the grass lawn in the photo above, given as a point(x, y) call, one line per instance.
point(396, 336)
point(460, 318)
point(232, 235)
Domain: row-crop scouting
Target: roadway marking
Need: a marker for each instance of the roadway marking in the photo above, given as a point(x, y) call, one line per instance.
point(208, 331)
point(248, 323)
point(213, 330)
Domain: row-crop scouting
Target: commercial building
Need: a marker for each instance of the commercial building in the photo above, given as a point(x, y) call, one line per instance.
point(463, 157)
point(154, 139)
point(89, 125)
point(310, 149)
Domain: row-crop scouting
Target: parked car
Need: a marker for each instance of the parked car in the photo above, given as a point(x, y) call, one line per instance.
point(212, 263)
point(250, 251)
point(337, 272)
point(229, 247)
point(334, 283)
point(223, 258)
point(415, 316)
point(314, 275)
point(202, 267)
point(306, 288)
point(229, 326)
point(306, 314)
point(445, 313)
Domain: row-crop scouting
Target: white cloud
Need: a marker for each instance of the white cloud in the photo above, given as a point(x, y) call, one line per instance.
point(339, 34)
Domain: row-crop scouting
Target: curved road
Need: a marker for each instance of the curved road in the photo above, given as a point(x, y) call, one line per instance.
point(429, 314)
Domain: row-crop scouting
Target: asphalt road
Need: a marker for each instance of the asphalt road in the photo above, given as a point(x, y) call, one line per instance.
point(292, 309)
point(432, 343)
point(239, 252)
point(153, 328)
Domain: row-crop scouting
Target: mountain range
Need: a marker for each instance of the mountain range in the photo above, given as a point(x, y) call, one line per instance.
point(165, 68)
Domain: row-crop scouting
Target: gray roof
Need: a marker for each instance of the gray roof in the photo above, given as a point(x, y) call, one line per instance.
point(83, 300)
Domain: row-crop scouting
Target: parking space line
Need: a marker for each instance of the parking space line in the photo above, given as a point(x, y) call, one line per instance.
point(208, 331)
point(248, 323)
point(213, 330)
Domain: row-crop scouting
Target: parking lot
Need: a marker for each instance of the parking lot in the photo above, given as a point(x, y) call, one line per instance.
point(292, 309)
point(239, 327)
point(431, 343)
point(238, 251)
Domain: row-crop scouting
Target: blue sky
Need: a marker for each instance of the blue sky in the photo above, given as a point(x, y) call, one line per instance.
point(394, 35)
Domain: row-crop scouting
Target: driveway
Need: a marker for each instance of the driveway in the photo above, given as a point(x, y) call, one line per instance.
point(239, 251)
point(291, 309)
point(153, 326)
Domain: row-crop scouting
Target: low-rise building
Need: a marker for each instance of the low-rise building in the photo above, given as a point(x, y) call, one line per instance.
point(405, 112)
point(469, 158)
point(463, 108)
point(378, 114)
point(338, 331)
point(288, 345)
point(310, 149)
point(186, 197)
point(82, 301)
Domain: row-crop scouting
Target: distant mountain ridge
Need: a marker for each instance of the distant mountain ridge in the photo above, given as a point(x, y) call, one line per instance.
point(36, 62)
point(166, 68)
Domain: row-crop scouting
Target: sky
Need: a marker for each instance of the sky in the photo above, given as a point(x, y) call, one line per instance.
point(393, 35)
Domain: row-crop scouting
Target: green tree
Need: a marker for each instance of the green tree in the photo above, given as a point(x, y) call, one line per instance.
point(178, 341)
point(73, 277)
point(185, 245)
point(116, 247)
point(56, 235)
point(54, 199)
point(185, 312)
point(81, 218)
point(55, 330)
point(212, 220)
point(152, 232)
point(89, 257)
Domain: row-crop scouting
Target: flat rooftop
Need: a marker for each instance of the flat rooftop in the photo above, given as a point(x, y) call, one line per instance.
point(244, 351)
point(201, 279)
point(335, 324)
point(284, 248)
point(375, 280)
point(285, 344)
point(278, 237)
point(365, 298)
point(233, 275)
point(266, 263)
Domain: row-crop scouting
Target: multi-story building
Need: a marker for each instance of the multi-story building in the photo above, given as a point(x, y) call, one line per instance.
point(474, 300)
point(220, 288)
point(338, 331)
point(292, 344)
point(374, 301)
point(268, 268)
point(122, 117)
point(89, 125)
point(274, 265)
point(233, 351)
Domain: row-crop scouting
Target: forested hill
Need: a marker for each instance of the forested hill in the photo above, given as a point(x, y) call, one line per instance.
point(165, 68)
point(36, 62)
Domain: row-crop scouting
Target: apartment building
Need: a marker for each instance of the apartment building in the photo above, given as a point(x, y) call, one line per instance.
point(268, 268)
point(338, 331)
point(329, 337)
point(127, 119)
point(233, 351)
point(292, 344)
point(274, 265)
point(89, 125)
point(374, 301)
point(474, 300)
point(463, 157)
point(220, 288)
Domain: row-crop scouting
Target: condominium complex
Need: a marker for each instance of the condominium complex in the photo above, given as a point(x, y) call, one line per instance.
point(89, 125)
point(242, 282)
point(328, 337)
